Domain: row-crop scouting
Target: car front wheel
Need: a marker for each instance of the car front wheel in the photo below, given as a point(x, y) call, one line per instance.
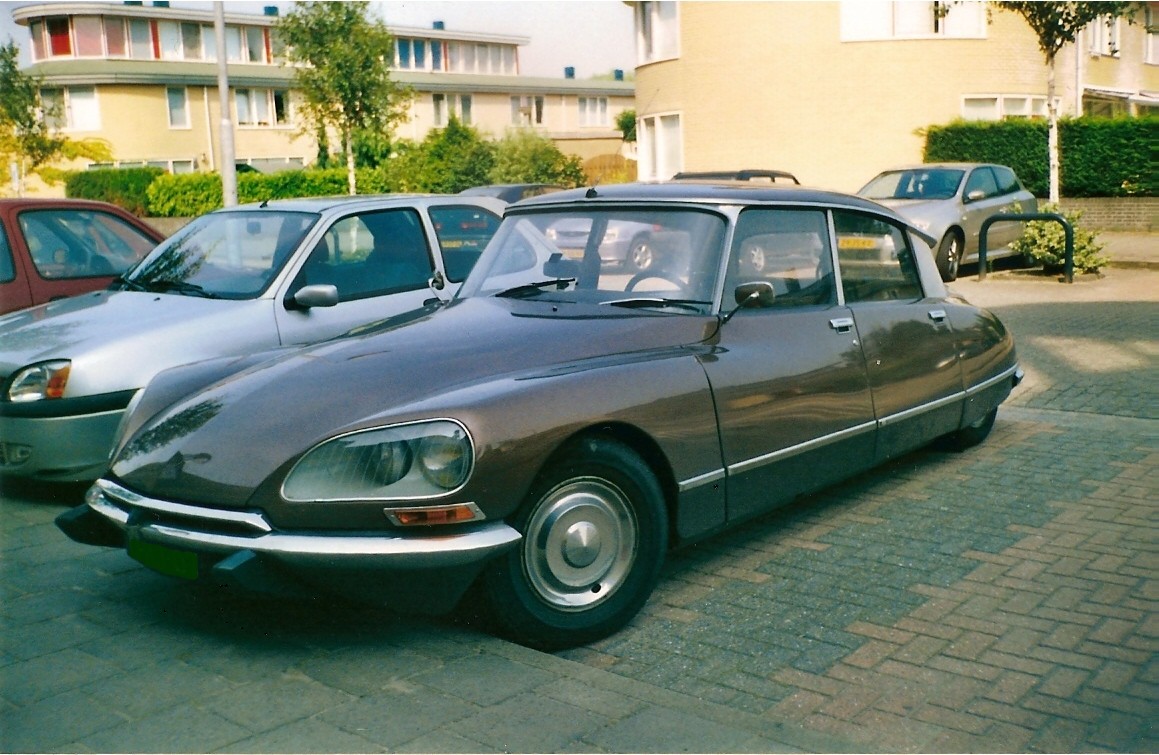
point(641, 255)
point(970, 435)
point(594, 539)
point(949, 256)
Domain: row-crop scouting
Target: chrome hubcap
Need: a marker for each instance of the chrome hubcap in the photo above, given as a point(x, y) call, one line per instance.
point(580, 544)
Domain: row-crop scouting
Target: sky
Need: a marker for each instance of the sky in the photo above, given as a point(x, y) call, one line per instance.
point(593, 36)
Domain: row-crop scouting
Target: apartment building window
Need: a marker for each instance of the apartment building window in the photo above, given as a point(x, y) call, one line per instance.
point(473, 57)
point(262, 107)
point(866, 20)
point(181, 41)
point(89, 36)
point(1151, 24)
point(71, 108)
point(657, 31)
point(527, 110)
point(116, 43)
point(178, 100)
point(660, 146)
point(447, 105)
point(255, 45)
point(999, 106)
point(50, 37)
point(418, 54)
point(593, 111)
point(1103, 36)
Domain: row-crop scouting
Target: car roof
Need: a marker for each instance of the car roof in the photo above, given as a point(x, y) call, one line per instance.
point(927, 166)
point(21, 202)
point(345, 201)
point(724, 192)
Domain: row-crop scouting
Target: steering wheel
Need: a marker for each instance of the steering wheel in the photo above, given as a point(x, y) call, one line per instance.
point(662, 275)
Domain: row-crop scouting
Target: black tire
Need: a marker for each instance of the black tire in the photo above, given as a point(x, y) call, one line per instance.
point(949, 256)
point(595, 533)
point(641, 255)
point(971, 435)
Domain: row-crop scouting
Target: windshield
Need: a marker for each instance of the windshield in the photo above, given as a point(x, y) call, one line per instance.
point(919, 183)
point(227, 255)
point(666, 259)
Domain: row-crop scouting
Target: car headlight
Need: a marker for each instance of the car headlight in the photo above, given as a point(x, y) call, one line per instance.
point(39, 381)
point(411, 461)
point(611, 235)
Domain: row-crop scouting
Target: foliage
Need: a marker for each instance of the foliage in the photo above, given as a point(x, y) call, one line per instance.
point(1045, 243)
point(626, 124)
point(1101, 156)
point(126, 187)
point(343, 73)
point(447, 161)
point(524, 156)
point(24, 134)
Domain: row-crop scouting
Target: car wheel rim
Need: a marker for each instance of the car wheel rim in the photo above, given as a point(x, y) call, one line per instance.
point(757, 259)
point(952, 256)
point(580, 544)
point(642, 256)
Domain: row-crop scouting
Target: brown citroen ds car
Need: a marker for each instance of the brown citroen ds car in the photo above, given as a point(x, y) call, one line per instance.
point(544, 438)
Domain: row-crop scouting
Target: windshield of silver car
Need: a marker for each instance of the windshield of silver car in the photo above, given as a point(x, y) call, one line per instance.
point(651, 258)
point(224, 255)
point(919, 183)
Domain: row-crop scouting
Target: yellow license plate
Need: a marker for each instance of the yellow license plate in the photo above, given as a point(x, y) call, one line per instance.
point(857, 242)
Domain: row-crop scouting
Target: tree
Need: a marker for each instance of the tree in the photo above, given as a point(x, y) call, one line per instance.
point(523, 156)
point(1057, 24)
point(27, 137)
point(342, 59)
point(626, 124)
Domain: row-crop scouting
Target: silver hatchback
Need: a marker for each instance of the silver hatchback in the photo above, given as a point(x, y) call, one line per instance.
point(949, 201)
point(238, 281)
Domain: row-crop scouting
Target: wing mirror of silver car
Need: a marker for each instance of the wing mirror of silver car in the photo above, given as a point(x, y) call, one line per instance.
point(754, 295)
point(316, 295)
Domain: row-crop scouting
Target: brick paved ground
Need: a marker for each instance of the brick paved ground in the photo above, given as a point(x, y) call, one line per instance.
point(1003, 599)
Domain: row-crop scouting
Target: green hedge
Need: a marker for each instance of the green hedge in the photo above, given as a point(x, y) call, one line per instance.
point(125, 187)
point(1101, 157)
point(194, 194)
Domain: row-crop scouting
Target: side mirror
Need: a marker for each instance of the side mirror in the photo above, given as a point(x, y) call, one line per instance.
point(755, 295)
point(975, 195)
point(317, 295)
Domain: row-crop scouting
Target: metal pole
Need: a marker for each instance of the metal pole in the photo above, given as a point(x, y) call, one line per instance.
point(225, 135)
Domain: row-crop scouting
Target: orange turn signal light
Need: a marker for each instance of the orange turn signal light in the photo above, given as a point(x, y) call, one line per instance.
point(456, 513)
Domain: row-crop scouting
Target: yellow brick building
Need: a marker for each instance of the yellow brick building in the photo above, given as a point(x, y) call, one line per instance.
point(837, 91)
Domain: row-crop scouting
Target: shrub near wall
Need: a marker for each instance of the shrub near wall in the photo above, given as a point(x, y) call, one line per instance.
point(195, 194)
point(1101, 157)
point(124, 187)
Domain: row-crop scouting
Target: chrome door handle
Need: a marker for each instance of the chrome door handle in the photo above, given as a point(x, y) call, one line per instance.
point(841, 324)
point(937, 315)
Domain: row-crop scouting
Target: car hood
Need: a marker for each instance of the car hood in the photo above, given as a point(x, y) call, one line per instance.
point(118, 339)
point(218, 445)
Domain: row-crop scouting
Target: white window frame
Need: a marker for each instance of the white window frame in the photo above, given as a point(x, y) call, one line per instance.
point(446, 104)
point(593, 112)
point(661, 146)
point(1104, 37)
point(1019, 105)
point(178, 119)
point(1151, 42)
point(657, 31)
point(528, 109)
point(260, 107)
point(79, 108)
point(880, 20)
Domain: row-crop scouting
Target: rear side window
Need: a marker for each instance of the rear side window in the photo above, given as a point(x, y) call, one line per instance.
point(463, 233)
point(876, 261)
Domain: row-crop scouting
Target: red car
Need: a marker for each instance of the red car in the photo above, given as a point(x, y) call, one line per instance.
point(53, 248)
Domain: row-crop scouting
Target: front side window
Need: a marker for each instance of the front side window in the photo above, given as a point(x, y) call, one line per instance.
point(981, 184)
point(81, 244)
point(463, 233)
point(593, 256)
point(7, 264)
point(789, 249)
point(227, 255)
point(371, 254)
point(875, 259)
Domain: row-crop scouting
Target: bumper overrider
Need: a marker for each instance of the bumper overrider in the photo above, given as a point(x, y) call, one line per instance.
point(422, 569)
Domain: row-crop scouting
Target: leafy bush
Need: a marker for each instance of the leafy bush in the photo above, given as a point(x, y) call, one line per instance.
point(1045, 243)
point(523, 156)
point(1101, 157)
point(125, 187)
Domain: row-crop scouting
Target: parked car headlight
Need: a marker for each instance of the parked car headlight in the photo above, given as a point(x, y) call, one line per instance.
point(412, 461)
point(39, 381)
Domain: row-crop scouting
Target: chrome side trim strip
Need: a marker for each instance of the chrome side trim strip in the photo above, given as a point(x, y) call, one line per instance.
point(785, 453)
point(695, 482)
point(927, 407)
point(1005, 375)
point(249, 519)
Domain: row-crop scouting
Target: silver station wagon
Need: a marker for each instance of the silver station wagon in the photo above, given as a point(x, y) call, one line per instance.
point(543, 439)
point(236, 281)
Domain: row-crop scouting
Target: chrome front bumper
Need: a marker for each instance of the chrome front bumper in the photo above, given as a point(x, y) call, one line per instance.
point(226, 540)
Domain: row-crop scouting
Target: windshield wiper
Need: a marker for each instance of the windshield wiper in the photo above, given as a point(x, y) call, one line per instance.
point(179, 287)
point(528, 289)
point(121, 283)
point(642, 302)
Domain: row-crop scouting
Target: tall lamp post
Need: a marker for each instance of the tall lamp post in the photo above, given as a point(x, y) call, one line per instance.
point(225, 129)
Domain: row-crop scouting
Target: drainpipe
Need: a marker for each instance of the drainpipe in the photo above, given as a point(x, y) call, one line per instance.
point(208, 129)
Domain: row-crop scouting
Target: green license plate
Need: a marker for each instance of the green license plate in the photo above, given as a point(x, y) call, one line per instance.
point(168, 561)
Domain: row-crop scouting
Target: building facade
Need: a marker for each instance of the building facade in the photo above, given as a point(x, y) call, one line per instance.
point(834, 92)
point(143, 78)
